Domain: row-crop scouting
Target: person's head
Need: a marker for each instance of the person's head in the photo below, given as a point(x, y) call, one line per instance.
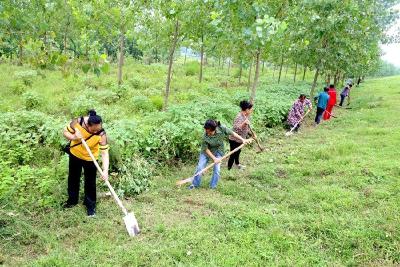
point(94, 122)
point(326, 89)
point(302, 97)
point(246, 107)
point(332, 86)
point(210, 126)
point(350, 85)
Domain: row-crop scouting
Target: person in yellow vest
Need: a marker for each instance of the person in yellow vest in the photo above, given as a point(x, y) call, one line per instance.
point(90, 129)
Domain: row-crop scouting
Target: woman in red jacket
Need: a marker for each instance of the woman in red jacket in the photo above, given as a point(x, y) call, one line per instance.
point(331, 102)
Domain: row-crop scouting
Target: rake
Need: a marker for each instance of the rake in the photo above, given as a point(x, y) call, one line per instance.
point(294, 127)
point(190, 179)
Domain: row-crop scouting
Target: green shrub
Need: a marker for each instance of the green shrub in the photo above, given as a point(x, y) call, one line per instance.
point(120, 90)
point(192, 68)
point(26, 76)
point(134, 176)
point(157, 101)
point(134, 82)
point(142, 103)
point(17, 88)
point(81, 105)
point(32, 100)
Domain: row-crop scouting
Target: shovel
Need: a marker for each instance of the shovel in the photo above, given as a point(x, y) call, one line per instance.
point(294, 127)
point(257, 141)
point(131, 223)
point(190, 179)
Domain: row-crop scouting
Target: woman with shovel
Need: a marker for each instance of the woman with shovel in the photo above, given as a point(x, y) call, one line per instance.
point(297, 112)
point(213, 148)
point(90, 129)
point(241, 126)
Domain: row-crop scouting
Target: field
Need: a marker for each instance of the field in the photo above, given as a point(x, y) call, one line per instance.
point(326, 196)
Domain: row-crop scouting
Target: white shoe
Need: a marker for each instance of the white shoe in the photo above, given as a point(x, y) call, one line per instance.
point(240, 167)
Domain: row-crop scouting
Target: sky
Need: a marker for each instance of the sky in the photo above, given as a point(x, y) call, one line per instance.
point(392, 51)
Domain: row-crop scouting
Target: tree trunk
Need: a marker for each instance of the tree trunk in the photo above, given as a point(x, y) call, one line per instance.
point(219, 62)
point(240, 71)
point(304, 73)
point(184, 61)
point(229, 67)
point(256, 75)
point(20, 53)
point(121, 57)
point(201, 59)
point(263, 63)
point(171, 59)
point(314, 83)
point(295, 73)
point(328, 80)
point(287, 68)
point(249, 78)
point(280, 70)
point(336, 78)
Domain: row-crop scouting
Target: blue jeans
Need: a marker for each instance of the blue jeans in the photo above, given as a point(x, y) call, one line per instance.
point(202, 164)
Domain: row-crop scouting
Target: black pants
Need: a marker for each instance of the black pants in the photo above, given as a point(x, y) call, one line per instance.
point(235, 156)
point(342, 97)
point(74, 178)
point(318, 117)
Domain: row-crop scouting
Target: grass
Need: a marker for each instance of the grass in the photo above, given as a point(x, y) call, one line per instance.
point(326, 196)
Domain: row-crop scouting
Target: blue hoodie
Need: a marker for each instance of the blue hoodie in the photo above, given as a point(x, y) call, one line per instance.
point(323, 98)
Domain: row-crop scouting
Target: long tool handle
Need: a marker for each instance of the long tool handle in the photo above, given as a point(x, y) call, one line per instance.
point(119, 202)
point(258, 142)
point(190, 179)
point(302, 118)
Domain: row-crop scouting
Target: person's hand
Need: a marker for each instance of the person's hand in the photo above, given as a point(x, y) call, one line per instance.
point(246, 122)
point(254, 135)
point(217, 160)
point(104, 175)
point(247, 141)
point(78, 134)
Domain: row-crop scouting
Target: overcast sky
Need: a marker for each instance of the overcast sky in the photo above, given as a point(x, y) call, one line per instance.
point(392, 51)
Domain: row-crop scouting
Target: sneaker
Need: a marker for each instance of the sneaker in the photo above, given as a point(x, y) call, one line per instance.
point(191, 187)
point(240, 167)
point(91, 213)
point(68, 205)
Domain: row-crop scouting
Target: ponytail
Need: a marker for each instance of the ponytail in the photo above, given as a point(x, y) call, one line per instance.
point(94, 118)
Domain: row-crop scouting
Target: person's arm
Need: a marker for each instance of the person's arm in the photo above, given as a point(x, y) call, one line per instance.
point(211, 155)
point(70, 132)
point(244, 141)
point(105, 158)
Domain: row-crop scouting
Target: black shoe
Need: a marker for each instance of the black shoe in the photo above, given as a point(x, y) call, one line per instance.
point(91, 212)
point(68, 205)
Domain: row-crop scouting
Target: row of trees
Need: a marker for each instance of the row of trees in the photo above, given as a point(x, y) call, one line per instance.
point(332, 38)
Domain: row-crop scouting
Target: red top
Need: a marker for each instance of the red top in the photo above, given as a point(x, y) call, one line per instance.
point(332, 97)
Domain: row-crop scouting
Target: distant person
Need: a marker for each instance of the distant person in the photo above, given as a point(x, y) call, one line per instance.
point(90, 129)
point(345, 93)
point(213, 148)
point(296, 113)
point(241, 126)
point(331, 102)
point(322, 102)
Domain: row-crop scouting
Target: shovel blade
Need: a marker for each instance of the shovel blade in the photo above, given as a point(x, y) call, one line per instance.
point(131, 224)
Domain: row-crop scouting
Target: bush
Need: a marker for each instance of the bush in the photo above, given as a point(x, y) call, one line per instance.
point(26, 76)
point(157, 102)
point(81, 105)
point(32, 100)
point(192, 68)
point(134, 82)
point(134, 176)
point(142, 103)
point(17, 88)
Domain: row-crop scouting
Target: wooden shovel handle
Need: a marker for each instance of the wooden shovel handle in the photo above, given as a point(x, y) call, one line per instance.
point(119, 202)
